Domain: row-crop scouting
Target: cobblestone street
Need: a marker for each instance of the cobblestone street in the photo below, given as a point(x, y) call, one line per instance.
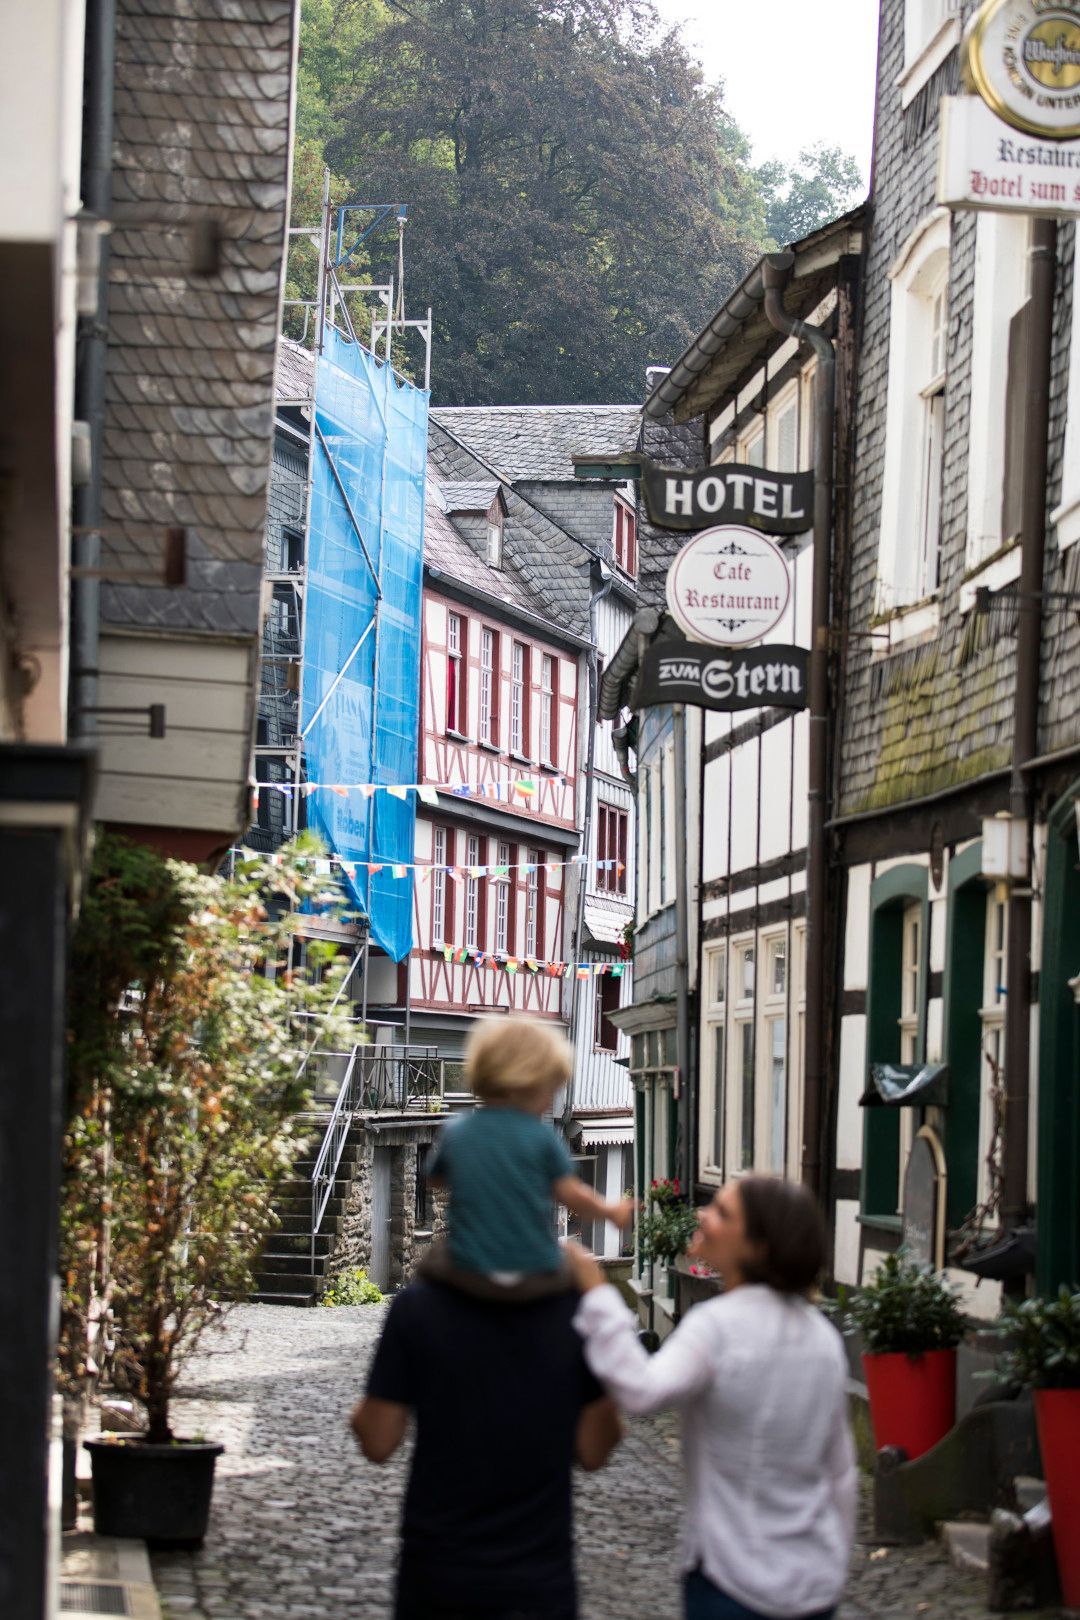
point(302, 1526)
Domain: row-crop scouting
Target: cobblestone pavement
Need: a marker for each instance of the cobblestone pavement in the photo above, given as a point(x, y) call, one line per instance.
point(302, 1526)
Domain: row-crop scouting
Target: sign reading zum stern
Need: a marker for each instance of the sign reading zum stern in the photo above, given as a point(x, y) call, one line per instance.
point(725, 679)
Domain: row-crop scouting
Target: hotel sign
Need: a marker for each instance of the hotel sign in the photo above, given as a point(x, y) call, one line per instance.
point(776, 503)
point(1023, 58)
point(729, 586)
point(724, 679)
point(983, 163)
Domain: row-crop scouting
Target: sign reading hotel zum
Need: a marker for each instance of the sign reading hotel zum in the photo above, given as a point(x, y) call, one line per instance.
point(984, 163)
point(729, 586)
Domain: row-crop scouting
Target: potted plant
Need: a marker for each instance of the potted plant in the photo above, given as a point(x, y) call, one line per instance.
point(667, 1223)
point(1044, 1355)
point(910, 1324)
point(184, 1088)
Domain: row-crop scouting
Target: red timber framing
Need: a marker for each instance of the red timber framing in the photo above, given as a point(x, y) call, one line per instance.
point(476, 669)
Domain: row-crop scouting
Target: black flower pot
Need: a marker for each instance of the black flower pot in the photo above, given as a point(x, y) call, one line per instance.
point(154, 1493)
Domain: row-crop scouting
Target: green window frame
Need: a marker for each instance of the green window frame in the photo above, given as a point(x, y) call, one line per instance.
point(1058, 1254)
point(965, 948)
point(890, 896)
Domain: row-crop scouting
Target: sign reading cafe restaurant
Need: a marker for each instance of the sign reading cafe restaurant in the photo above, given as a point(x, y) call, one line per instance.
point(729, 586)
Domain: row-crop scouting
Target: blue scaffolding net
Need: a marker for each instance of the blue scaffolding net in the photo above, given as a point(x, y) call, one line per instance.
point(361, 699)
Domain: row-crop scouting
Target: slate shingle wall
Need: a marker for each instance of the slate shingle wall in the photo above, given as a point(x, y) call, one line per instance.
point(202, 98)
point(939, 714)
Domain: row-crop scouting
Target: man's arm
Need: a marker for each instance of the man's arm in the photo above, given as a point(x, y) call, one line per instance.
point(580, 1199)
point(379, 1426)
point(599, 1431)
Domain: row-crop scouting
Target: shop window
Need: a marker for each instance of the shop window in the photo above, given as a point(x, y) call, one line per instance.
point(896, 1024)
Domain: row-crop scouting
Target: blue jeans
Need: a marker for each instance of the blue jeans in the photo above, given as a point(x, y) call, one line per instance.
point(704, 1601)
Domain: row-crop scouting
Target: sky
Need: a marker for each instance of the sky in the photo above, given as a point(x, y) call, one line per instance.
point(795, 71)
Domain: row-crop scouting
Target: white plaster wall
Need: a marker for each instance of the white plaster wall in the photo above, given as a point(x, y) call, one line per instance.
point(800, 786)
point(846, 1243)
point(714, 821)
point(744, 796)
point(857, 929)
point(935, 1030)
point(775, 791)
point(849, 1123)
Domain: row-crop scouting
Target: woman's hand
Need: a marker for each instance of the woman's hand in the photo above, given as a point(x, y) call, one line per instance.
point(584, 1267)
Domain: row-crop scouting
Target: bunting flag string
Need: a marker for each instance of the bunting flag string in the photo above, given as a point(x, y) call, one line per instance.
point(525, 787)
point(463, 955)
point(403, 869)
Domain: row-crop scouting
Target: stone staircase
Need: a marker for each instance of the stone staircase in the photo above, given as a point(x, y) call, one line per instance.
point(285, 1273)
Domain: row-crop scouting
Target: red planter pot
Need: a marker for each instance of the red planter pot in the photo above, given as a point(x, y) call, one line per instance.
point(1057, 1412)
point(912, 1398)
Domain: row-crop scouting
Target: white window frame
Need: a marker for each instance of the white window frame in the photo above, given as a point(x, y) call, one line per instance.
point(771, 1110)
point(534, 858)
point(519, 665)
point(548, 699)
point(502, 899)
point(796, 1046)
point(910, 540)
point(784, 408)
point(495, 538)
point(438, 893)
point(713, 1144)
point(455, 652)
point(472, 892)
point(931, 32)
point(750, 445)
point(488, 677)
point(1066, 517)
point(1002, 252)
point(913, 959)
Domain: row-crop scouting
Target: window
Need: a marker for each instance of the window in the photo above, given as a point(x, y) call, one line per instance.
point(910, 984)
point(519, 699)
point(489, 687)
point(752, 447)
point(744, 958)
point(495, 536)
point(908, 561)
point(784, 430)
point(931, 33)
point(777, 967)
point(472, 893)
point(743, 993)
point(895, 1025)
point(608, 994)
point(442, 895)
point(663, 832)
point(625, 540)
point(549, 713)
point(714, 1061)
point(612, 832)
point(457, 706)
point(776, 1057)
point(292, 550)
point(502, 898)
point(534, 904)
point(773, 1079)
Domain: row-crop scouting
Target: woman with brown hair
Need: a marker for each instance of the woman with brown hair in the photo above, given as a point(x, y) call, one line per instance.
point(760, 1378)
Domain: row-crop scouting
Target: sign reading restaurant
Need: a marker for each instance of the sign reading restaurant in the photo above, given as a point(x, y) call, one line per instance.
point(983, 163)
point(776, 503)
point(729, 586)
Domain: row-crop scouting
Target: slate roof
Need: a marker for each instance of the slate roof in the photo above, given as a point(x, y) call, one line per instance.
point(536, 442)
point(451, 553)
point(295, 367)
point(474, 496)
point(201, 137)
point(551, 566)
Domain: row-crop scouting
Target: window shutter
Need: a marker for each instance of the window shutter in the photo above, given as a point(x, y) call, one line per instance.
point(1016, 394)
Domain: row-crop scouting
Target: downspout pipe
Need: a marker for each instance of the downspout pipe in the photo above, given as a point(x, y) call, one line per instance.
point(91, 357)
point(682, 951)
point(605, 580)
point(776, 273)
point(1015, 1204)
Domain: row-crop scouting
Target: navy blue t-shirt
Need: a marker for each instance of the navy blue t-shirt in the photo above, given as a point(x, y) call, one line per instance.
point(497, 1390)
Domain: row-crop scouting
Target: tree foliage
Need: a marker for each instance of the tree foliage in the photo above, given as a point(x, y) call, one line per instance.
point(183, 1062)
point(823, 185)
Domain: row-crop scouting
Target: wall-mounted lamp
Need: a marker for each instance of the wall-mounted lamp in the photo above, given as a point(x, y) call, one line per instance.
point(1005, 847)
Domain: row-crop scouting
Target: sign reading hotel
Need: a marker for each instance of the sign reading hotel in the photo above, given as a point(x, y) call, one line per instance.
point(776, 503)
point(729, 586)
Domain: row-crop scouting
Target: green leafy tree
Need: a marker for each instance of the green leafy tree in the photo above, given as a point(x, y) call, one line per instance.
point(183, 1044)
point(580, 201)
point(824, 184)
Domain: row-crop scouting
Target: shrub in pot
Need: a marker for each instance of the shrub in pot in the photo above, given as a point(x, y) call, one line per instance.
point(666, 1225)
point(1044, 1355)
point(910, 1323)
point(184, 1061)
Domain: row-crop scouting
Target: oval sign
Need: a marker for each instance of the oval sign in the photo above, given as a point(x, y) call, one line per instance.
point(729, 586)
point(1023, 58)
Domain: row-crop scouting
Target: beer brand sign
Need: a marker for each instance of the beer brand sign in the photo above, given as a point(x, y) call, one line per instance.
point(1023, 58)
point(776, 503)
point(729, 586)
point(724, 678)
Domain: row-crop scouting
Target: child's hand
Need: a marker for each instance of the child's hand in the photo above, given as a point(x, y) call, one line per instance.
point(622, 1213)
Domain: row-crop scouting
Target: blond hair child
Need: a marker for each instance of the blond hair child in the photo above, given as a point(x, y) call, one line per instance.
point(504, 1167)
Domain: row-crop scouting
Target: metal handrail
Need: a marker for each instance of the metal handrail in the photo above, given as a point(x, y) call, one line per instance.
point(376, 1077)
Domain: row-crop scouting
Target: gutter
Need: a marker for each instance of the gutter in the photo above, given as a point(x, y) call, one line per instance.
point(776, 273)
point(745, 301)
point(92, 354)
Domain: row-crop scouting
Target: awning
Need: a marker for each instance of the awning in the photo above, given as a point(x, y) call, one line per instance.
point(606, 920)
point(609, 1131)
point(905, 1085)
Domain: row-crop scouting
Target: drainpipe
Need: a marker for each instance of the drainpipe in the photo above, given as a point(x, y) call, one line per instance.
point(92, 353)
point(1026, 724)
point(682, 953)
point(607, 580)
point(776, 274)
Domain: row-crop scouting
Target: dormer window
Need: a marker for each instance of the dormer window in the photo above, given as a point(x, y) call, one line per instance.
point(495, 535)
